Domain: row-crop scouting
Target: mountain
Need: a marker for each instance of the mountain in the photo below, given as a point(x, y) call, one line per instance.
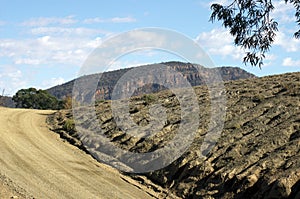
point(7, 101)
point(109, 79)
point(256, 156)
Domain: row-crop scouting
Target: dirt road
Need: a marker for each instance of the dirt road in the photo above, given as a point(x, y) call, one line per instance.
point(41, 165)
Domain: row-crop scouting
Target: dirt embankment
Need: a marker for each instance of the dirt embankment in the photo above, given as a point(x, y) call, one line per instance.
point(36, 163)
point(257, 155)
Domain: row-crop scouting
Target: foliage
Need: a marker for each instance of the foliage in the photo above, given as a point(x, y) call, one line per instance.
point(67, 102)
point(69, 125)
point(149, 98)
point(250, 23)
point(36, 99)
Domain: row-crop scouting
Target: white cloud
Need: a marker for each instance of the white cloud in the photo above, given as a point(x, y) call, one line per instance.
point(61, 31)
point(132, 41)
point(52, 82)
point(28, 61)
point(93, 20)
point(222, 2)
point(55, 45)
point(48, 50)
point(110, 20)
point(94, 43)
point(119, 64)
point(289, 43)
point(283, 13)
point(290, 62)
point(12, 79)
point(142, 57)
point(219, 42)
point(44, 40)
point(122, 20)
point(269, 60)
point(44, 21)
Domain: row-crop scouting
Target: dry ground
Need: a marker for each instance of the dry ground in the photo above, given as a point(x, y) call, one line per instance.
point(36, 163)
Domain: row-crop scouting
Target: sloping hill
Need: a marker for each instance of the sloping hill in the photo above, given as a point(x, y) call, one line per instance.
point(7, 101)
point(109, 79)
point(257, 155)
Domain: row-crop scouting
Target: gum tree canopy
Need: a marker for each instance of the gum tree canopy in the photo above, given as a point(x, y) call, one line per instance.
point(36, 99)
point(251, 25)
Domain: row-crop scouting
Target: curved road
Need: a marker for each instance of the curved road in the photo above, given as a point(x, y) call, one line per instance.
point(38, 161)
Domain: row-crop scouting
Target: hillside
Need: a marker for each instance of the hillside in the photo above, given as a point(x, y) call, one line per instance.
point(257, 155)
point(109, 79)
point(6, 102)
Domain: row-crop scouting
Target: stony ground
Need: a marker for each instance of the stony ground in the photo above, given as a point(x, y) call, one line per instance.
point(9, 189)
point(257, 155)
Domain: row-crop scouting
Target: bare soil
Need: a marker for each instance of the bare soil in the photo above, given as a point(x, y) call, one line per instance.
point(256, 156)
point(36, 163)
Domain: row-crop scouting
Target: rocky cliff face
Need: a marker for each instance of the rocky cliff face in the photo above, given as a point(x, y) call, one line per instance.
point(108, 80)
point(257, 155)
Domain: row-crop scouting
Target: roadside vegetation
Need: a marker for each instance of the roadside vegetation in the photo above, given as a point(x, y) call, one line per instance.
point(33, 98)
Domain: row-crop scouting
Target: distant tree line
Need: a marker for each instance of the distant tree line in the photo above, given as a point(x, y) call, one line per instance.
point(39, 99)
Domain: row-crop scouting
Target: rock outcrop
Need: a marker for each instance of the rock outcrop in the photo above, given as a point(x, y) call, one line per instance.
point(108, 80)
point(257, 155)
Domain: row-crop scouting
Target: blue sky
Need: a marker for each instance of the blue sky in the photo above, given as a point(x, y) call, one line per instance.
point(44, 43)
